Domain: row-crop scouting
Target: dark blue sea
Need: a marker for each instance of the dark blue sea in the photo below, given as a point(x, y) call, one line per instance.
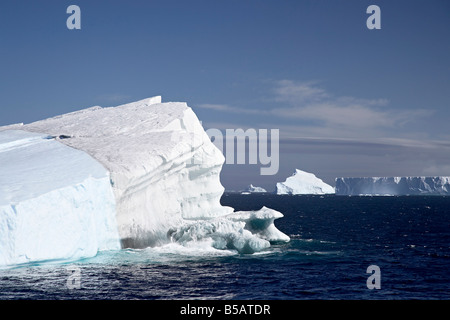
point(334, 239)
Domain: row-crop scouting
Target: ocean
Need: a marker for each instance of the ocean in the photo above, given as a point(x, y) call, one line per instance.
point(356, 248)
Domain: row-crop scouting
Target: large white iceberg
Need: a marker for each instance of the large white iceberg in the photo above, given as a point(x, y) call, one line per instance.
point(393, 186)
point(150, 164)
point(302, 182)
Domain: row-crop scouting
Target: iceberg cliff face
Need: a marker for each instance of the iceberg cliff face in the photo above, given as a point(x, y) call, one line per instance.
point(302, 182)
point(55, 202)
point(159, 174)
point(393, 186)
point(162, 164)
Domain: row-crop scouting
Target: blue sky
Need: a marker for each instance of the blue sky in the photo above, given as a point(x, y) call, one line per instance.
point(348, 101)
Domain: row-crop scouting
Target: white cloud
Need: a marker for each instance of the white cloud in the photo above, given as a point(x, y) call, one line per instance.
point(294, 93)
point(306, 101)
point(330, 114)
point(324, 114)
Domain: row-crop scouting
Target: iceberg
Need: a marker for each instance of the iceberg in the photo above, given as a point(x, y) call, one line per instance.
point(252, 189)
point(143, 174)
point(393, 186)
point(302, 182)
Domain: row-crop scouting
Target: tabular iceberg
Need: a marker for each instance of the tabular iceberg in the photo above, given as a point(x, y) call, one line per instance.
point(302, 182)
point(147, 169)
point(393, 186)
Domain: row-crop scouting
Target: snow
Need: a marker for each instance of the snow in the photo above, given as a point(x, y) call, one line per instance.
point(393, 186)
point(55, 202)
point(252, 189)
point(302, 182)
point(141, 170)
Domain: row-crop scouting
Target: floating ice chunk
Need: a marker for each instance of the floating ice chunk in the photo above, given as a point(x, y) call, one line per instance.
point(243, 231)
point(261, 223)
point(222, 233)
point(252, 189)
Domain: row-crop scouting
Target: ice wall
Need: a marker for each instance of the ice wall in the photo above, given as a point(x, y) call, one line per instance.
point(55, 202)
point(393, 186)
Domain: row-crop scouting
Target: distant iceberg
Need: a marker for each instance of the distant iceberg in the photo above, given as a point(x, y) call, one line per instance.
point(393, 186)
point(252, 189)
point(138, 175)
point(302, 182)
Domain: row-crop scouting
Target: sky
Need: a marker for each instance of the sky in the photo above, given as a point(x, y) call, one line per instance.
point(347, 100)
